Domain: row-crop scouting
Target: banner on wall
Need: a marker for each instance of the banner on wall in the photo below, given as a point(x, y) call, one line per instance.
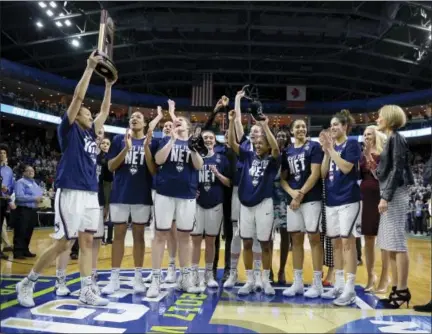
point(296, 93)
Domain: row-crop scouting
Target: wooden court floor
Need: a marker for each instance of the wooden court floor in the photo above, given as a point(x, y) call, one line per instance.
point(419, 275)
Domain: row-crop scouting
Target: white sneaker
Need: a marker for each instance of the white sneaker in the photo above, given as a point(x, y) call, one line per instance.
point(154, 289)
point(232, 279)
point(193, 279)
point(210, 281)
point(268, 289)
point(259, 285)
point(95, 288)
point(333, 293)
point(171, 274)
point(88, 297)
point(247, 288)
point(249, 285)
point(345, 299)
point(138, 283)
point(148, 278)
point(315, 291)
point(296, 289)
point(61, 288)
point(24, 290)
point(112, 286)
point(189, 283)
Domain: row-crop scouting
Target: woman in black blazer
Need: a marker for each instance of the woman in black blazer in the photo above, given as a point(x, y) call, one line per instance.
point(394, 175)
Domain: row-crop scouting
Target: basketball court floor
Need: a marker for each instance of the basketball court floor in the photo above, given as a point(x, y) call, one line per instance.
point(215, 311)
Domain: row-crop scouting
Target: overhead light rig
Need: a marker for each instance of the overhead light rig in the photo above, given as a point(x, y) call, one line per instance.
point(51, 9)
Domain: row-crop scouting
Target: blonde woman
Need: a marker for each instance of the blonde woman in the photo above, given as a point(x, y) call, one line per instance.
point(374, 143)
point(394, 175)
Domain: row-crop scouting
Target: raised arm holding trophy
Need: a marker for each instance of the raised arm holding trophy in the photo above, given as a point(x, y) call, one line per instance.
point(255, 107)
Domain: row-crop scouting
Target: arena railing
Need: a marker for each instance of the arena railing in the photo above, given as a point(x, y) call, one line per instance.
point(42, 117)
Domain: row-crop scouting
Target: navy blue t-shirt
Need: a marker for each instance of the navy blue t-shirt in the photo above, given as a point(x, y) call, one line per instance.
point(246, 144)
point(77, 167)
point(343, 188)
point(297, 162)
point(132, 179)
point(219, 148)
point(177, 177)
point(257, 177)
point(211, 189)
point(153, 149)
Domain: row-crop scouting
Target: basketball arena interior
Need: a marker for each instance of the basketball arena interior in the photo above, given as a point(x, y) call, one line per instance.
point(215, 166)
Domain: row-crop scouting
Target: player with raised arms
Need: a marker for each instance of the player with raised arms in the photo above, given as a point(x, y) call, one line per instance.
point(77, 210)
point(172, 238)
point(301, 173)
point(256, 203)
point(340, 168)
point(248, 144)
point(130, 197)
point(61, 288)
point(213, 177)
point(176, 190)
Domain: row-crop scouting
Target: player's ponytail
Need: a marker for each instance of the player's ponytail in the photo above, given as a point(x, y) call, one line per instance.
point(345, 118)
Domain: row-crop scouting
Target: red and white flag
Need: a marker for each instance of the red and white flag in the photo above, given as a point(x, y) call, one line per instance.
point(296, 93)
point(202, 90)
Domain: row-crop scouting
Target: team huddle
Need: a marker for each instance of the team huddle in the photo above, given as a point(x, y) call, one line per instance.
point(180, 192)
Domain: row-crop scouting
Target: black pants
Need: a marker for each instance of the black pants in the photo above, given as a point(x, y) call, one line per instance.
point(110, 229)
point(228, 231)
point(75, 248)
point(359, 249)
point(418, 224)
point(3, 209)
point(24, 221)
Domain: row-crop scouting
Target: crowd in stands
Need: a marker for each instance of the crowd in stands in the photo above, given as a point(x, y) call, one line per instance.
point(58, 108)
point(33, 146)
point(418, 217)
point(48, 107)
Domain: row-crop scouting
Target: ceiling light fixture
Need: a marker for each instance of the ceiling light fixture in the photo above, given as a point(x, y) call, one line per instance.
point(49, 12)
point(53, 4)
point(68, 23)
point(75, 43)
point(42, 4)
point(59, 24)
point(39, 24)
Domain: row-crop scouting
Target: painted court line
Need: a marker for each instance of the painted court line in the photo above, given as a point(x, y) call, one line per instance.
point(14, 302)
point(56, 327)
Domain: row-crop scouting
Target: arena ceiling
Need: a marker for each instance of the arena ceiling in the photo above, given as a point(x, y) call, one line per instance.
point(340, 50)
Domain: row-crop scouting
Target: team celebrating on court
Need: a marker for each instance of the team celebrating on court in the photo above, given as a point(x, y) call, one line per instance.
point(180, 192)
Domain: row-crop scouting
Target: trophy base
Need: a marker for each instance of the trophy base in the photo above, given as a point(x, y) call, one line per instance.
point(106, 68)
point(196, 143)
point(256, 110)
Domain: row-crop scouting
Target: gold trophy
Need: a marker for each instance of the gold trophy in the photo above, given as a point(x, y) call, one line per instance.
point(106, 67)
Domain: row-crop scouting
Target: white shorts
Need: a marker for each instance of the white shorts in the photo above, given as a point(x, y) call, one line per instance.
point(169, 208)
point(101, 227)
point(307, 218)
point(75, 211)
point(257, 220)
point(344, 220)
point(235, 205)
point(140, 213)
point(208, 221)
